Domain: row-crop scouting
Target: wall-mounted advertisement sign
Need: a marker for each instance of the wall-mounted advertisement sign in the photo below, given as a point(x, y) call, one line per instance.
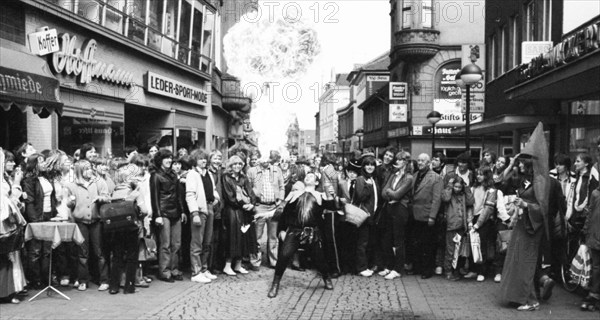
point(452, 114)
point(532, 49)
point(376, 82)
point(398, 113)
point(398, 90)
point(83, 63)
point(43, 42)
point(164, 86)
point(446, 79)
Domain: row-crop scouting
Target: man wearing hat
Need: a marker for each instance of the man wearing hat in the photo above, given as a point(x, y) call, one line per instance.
point(348, 234)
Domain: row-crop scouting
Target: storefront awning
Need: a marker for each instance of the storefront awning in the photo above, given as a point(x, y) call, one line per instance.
point(570, 81)
point(506, 123)
point(26, 81)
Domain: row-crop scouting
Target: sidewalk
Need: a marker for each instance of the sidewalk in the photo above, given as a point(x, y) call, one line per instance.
point(301, 296)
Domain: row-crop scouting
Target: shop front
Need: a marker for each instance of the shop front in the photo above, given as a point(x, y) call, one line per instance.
point(27, 89)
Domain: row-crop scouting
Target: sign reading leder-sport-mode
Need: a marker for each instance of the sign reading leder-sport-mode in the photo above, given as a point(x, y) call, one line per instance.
point(172, 88)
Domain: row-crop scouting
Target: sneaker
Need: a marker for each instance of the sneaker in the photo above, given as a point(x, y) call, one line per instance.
point(366, 273)
point(229, 271)
point(103, 287)
point(498, 278)
point(480, 278)
point(64, 282)
point(384, 272)
point(438, 271)
point(392, 275)
point(141, 283)
point(82, 287)
point(200, 277)
point(76, 284)
point(209, 275)
point(470, 275)
point(529, 307)
point(241, 270)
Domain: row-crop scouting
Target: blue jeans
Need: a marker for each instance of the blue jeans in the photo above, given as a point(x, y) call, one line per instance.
point(92, 233)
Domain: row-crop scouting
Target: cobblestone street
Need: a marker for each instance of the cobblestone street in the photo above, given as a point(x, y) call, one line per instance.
point(301, 297)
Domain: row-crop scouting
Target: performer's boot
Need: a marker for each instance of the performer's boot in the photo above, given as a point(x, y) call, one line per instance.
point(328, 283)
point(274, 287)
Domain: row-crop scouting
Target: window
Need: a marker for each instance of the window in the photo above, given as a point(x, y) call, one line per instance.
point(407, 14)
point(546, 19)
point(530, 28)
point(513, 43)
point(492, 57)
point(426, 14)
point(12, 23)
point(181, 29)
point(503, 50)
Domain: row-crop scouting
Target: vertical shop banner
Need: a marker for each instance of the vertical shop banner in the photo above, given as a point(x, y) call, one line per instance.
point(474, 53)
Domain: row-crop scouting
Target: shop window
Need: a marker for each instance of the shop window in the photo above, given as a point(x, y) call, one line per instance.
point(584, 126)
point(12, 23)
point(107, 136)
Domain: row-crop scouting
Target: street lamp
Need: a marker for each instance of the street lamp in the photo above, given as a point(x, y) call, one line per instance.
point(360, 133)
point(433, 117)
point(469, 75)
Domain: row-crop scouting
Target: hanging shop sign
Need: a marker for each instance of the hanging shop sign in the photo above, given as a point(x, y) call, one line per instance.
point(82, 63)
point(398, 113)
point(168, 87)
point(375, 82)
point(43, 42)
point(574, 45)
point(445, 79)
point(398, 90)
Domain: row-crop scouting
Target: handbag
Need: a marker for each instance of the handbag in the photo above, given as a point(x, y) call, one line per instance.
point(581, 267)
point(119, 215)
point(355, 215)
point(11, 241)
point(147, 250)
point(475, 246)
point(502, 240)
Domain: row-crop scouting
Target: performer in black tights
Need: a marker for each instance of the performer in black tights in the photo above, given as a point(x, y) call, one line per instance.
point(301, 223)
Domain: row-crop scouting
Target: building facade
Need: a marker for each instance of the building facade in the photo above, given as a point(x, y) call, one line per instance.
point(335, 96)
point(431, 40)
point(129, 72)
point(543, 59)
point(365, 80)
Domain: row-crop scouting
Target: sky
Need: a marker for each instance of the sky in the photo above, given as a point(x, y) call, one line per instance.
point(349, 32)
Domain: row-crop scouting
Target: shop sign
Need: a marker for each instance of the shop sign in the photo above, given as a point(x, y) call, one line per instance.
point(398, 90)
point(452, 114)
point(375, 82)
point(83, 64)
point(398, 113)
point(476, 99)
point(532, 49)
point(446, 78)
point(178, 90)
point(398, 132)
point(43, 42)
point(573, 46)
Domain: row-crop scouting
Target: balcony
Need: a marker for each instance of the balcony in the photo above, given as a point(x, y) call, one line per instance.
point(233, 98)
point(415, 45)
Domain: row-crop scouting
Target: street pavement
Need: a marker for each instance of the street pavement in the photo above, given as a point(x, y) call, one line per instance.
point(301, 296)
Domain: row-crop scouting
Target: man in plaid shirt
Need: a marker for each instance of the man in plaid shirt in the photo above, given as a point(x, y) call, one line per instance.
point(266, 180)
